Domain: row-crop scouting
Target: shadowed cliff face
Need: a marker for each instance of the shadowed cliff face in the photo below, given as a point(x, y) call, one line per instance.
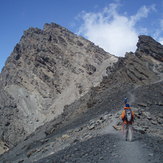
point(149, 47)
point(47, 70)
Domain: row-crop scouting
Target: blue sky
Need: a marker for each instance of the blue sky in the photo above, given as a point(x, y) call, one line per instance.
point(112, 24)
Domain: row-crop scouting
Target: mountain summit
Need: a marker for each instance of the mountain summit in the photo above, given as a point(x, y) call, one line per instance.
point(47, 70)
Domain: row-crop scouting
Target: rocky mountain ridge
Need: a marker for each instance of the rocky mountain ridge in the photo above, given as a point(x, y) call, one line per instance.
point(47, 70)
point(89, 119)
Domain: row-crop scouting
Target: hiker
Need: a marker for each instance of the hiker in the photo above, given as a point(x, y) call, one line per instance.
point(128, 119)
point(125, 100)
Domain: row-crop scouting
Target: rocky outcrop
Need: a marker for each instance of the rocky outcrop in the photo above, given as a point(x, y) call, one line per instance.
point(142, 67)
point(148, 46)
point(47, 70)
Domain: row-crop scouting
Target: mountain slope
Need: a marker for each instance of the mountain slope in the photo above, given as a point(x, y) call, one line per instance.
point(47, 70)
point(83, 132)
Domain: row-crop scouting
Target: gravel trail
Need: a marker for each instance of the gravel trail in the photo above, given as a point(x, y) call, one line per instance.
point(108, 147)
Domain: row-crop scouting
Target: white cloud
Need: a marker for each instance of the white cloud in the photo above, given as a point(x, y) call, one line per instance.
point(158, 32)
point(114, 32)
point(142, 13)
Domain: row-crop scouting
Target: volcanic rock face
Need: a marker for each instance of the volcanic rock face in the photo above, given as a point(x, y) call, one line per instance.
point(47, 70)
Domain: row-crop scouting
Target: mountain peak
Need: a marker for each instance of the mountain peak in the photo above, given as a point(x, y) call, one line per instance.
point(47, 70)
point(148, 46)
point(52, 25)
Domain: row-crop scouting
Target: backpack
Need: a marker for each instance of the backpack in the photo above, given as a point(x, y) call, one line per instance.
point(128, 115)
